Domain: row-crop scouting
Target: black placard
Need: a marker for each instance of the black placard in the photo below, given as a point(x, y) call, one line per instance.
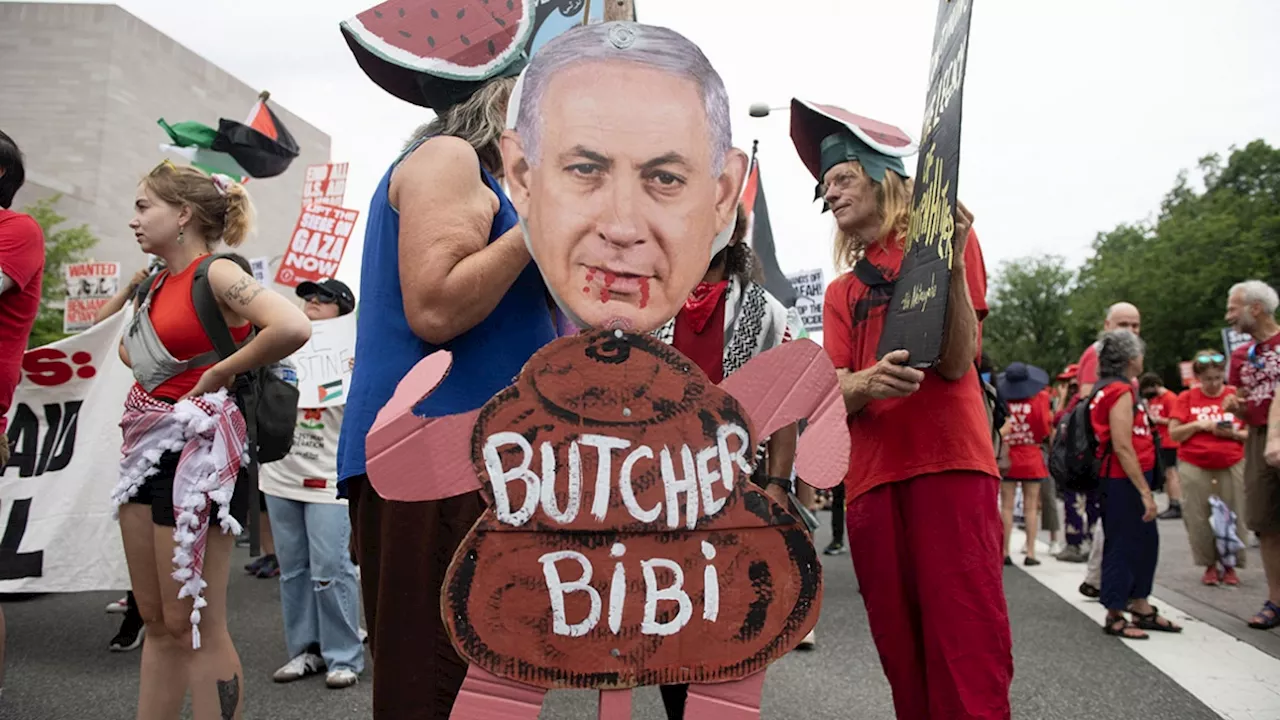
point(917, 313)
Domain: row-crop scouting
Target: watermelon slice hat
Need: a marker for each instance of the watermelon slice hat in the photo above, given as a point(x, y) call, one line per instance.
point(437, 53)
point(826, 135)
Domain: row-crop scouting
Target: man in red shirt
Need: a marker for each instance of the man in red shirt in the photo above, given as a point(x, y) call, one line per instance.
point(924, 525)
point(21, 270)
point(1255, 372)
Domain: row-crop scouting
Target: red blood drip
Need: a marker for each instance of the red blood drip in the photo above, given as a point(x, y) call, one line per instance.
point(609, 280)
point(644, 292)
point(586, 289)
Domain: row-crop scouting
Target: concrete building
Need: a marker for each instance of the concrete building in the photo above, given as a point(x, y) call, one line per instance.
point(81, 88)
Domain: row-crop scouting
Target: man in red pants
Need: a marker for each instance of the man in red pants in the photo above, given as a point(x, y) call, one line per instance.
point(923, 518)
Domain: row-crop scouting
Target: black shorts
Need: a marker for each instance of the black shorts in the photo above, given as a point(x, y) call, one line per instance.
point(1022, 480)
point(157, 492)
point(1169, 457)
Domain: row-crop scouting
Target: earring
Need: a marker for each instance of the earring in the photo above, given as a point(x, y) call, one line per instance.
point(180, 232)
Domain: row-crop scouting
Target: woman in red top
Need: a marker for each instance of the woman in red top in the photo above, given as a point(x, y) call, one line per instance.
point(1161, 403)
point(1023, 388)
point(1127, 455)
point(1210, 462)
point(180, 214)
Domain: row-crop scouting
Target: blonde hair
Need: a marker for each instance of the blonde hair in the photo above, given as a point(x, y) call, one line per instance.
point(480, 120)
point(228, 217)
point(893, 202)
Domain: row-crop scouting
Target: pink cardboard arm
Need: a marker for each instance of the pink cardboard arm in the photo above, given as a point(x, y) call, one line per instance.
point(793, 382)
point(412, 458)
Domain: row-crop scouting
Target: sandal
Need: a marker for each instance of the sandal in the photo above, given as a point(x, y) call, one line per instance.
point(1154, 621)
point(1119, 627)
point(1267, 618)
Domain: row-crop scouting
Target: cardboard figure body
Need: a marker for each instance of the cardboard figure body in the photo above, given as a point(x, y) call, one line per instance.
point(624, 544)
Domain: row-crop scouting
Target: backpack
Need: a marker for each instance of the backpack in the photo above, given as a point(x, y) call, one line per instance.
point(1073, 457)
point(269, 403)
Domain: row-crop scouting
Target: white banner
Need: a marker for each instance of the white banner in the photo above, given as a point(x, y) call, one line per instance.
point(55, 493)
point(325, 363)
point(89, 286)
point(810, 289)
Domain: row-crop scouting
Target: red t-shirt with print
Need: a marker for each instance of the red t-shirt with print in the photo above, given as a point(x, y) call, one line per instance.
point(1100, 417)
point(1256, 372)
point(1204, 449)
point(1160, 407)
point(22, 260)
point(1087, 372)
point(942, 427)
point(1029, 424)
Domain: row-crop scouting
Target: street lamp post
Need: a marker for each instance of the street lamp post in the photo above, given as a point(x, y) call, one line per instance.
point(759, 110)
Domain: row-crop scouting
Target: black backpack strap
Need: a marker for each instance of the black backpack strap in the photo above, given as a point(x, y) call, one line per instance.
point(211, 319)
point(144, 288)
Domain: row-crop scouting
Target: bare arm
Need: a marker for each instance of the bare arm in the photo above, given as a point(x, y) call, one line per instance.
point(960, 331)
point(888, 378)
point(451, 276)
point(1182, 432)
point(1121, 420)
point(781, 458)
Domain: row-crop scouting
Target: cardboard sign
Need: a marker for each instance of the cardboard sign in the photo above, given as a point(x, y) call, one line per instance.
point(89, 286)
point(810, 288)
point(325, 185)
point(325, 362)
point(318, 242)
point(916, 314)
point(1231, 340)
point(624, 544)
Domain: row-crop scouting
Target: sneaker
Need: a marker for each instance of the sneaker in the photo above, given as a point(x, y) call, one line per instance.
point(129, 637)
point(299, 667)
point(120, 606)
point(809, 642)
point(1030, 562)
point(1211, 576)
point(1173, 513)
point(253, 567)
point(1230, 578)
point(341, 678)
point(835, 548)
point(1073, 554)
point(270, 567)
point(1056, 547)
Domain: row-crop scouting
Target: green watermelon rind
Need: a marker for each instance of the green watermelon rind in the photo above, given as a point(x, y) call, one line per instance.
point(435, 66)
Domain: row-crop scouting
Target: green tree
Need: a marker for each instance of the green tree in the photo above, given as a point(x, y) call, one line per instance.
point(61, 248)
point(1029, 313)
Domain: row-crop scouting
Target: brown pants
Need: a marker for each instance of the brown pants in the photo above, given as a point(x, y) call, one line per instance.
point(1261, 485)
point(1197, 485)
point(405, 550)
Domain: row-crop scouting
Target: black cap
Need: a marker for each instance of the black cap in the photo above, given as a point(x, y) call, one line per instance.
point(330, 288)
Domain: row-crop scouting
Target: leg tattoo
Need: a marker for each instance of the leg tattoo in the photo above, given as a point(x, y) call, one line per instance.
point(229, 696)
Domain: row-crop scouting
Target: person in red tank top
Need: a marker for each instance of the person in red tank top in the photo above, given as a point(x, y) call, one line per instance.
point(1127, 452)
point(923, 471)
point(180, 214)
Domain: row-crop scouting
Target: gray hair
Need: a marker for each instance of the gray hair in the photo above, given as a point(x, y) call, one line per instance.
point(1256, 291)
point(1116, 349)
point(651, 46)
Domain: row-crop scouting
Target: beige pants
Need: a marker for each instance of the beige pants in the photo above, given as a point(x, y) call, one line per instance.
point(1197, 485)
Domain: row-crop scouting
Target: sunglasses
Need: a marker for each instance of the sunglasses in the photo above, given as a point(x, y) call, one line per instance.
point(323, 298)
point(1215, 358)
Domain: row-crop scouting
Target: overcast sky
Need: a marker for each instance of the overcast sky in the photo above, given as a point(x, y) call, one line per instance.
point(1077, 115)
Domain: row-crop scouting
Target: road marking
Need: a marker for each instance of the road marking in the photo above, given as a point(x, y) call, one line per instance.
point(1231, 677)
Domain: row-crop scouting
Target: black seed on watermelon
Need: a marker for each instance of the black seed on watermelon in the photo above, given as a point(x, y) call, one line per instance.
point(431, 41)
point(377, 14)
point(405, 34)
point(462, 12)
point(401, 12)
point(493, 50)
point(435, 14)
point(500, 21)
point(464, 39)
point(511, 5)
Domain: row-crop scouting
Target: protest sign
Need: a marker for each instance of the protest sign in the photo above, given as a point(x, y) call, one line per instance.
point(325, 363)
point(261, 269)
point(89, 286)
point(325, 185)
point(810, 290)
point(918, 310)
point(55, 493)
point(1231, 339)
point(318, 242)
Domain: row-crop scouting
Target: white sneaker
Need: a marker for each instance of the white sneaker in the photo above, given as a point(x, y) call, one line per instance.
point(364, 636)
point(119, 606)
point(809, 642)
point(1056, 547)
point(299, 667)
point(341, 678)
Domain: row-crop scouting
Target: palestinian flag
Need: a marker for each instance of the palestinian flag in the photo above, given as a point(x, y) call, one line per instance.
point(260, 147)
point(761, 235)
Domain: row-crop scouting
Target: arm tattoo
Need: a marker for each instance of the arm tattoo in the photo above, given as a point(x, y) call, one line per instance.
point(229, 697)
point(244, 291)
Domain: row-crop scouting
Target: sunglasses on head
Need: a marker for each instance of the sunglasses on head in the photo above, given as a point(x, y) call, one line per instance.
point(1215, 358)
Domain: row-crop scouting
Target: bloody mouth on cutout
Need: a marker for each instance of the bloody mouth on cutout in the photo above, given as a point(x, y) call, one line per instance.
point(612, 286)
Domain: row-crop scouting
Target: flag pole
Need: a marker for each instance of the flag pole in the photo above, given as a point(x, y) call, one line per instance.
point(755, 144)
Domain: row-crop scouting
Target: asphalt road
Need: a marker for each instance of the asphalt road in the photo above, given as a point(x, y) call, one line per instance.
point(59, 667)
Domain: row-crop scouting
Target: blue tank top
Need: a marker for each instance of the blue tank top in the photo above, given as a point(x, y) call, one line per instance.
point(486, 358)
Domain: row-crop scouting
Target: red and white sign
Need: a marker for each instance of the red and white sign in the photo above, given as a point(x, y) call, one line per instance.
point(89, 286)
point(325, 185)
point(318, 242)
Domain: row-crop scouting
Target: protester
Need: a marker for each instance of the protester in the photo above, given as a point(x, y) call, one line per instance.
point(1127, 455)
point(1255, 372)
point(1023, 387)
point(729, 319)
point(179, 426)
point(21, 276)
point(444, 265)
point(319, 590)
point(1083, 509)
point(923, 472)
point(1211, 465)
point(1160, 405)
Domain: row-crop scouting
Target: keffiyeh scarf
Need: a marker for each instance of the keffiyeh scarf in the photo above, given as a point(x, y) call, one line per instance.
point(211, 436)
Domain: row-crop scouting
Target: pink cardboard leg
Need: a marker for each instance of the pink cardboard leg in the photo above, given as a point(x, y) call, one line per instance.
point(614, 705)
point(484, 696)
point(738, 700)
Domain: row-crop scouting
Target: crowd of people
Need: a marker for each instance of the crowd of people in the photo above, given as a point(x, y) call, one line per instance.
point(926, 506)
